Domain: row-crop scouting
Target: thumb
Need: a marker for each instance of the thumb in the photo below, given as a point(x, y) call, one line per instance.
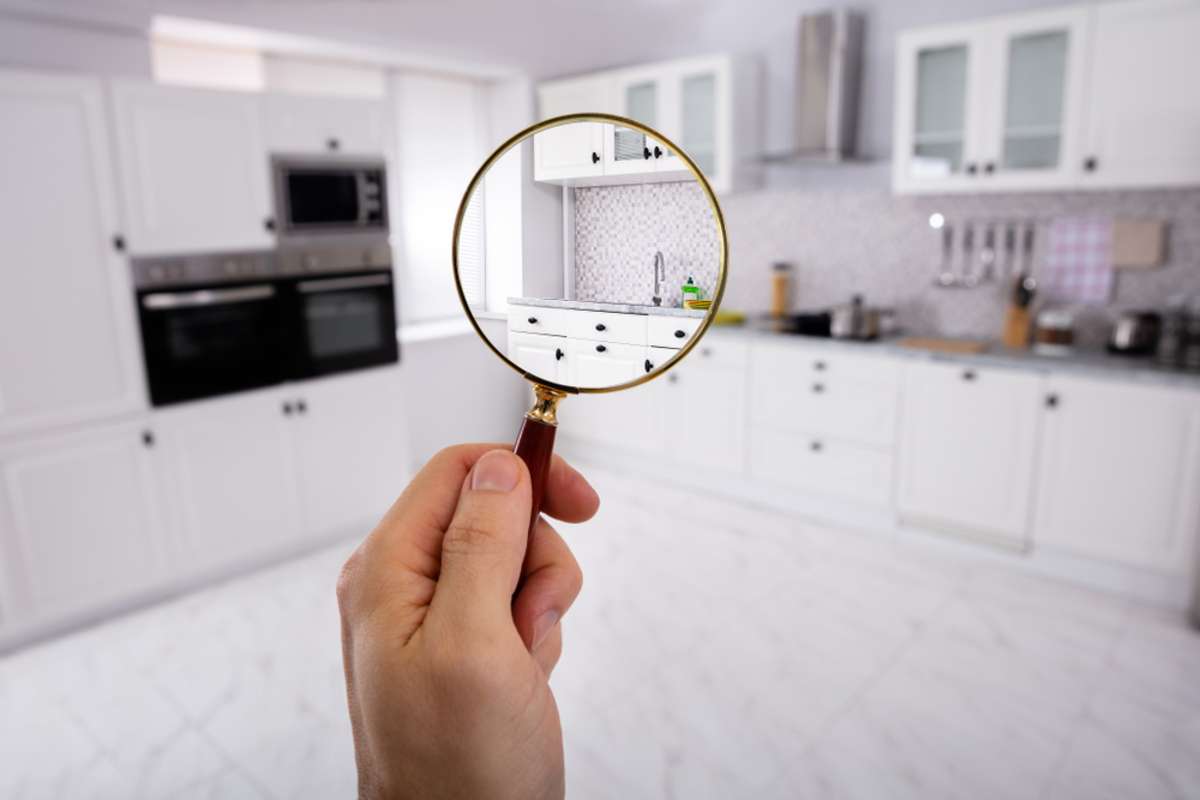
point(485, 543)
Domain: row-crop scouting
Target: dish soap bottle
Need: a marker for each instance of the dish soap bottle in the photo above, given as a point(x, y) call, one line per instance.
point(690, 291)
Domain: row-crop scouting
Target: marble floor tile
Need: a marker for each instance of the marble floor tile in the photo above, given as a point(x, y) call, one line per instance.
point(717, 651)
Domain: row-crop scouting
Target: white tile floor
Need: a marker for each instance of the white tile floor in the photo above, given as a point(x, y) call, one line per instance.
point(715, 652)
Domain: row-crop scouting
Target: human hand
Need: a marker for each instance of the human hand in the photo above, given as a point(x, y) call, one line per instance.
point(446, 671)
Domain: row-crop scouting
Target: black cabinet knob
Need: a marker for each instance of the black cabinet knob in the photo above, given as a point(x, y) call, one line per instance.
point(815, 446)
point(989, 167)
point(972, 168)
point(600, 348)
point(118, 243)
point(1051, 401)
point(818, 388)
point(1090, 163)
point(595, 157)
point(819, 366)
point(533, 320)
point(657, 152)
point(302, 406)
point(333, 144)
point(287, 409)
point(648, 365)
point(269, 224)
point(558, 354)
point(968, 375)
point(646, 153)
point(148, 438)
point(600, 326)
point(680, 334)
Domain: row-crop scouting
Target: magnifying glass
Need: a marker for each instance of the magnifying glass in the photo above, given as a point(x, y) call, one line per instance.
point(605, 246)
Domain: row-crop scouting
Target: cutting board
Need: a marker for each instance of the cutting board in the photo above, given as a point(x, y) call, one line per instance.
point(944, 345)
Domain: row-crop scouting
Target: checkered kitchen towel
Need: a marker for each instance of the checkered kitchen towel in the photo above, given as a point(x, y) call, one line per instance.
point(1078, 267)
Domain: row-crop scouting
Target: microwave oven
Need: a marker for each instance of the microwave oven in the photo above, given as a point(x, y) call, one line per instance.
point(326, 195)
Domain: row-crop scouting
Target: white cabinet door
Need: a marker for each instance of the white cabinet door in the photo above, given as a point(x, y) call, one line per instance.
point(1034, 126)
point(1144, 120)
point(647, 96)
point(1119, 474)
point(541, 355)
point(312, 124)
point(68, 349)
point(703, 402)
point(233, 478)
point(81, 521)
point(351, 449)
point(628, 420)
point(967, 447)
point(577, 150)
point(194, 171)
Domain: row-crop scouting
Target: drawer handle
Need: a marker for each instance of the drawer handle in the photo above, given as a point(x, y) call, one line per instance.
point(818, 388)
point(680, 334)
point(968, 375)
point(815, 446)
point(600, 326)
point(148, 438)
point(1051, 401)
point(287, 409)
point(533, 320)
point(646, 153)
point(657, 152)
point(595, 157)
point(558, 354)
point(600, 348)
point(819, 366)
point(649, 366)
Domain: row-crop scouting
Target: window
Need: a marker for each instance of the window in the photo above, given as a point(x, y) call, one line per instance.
point(472, 246)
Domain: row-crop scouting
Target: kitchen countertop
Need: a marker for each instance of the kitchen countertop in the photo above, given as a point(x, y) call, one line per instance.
point(614, 308)
point(1096, 363)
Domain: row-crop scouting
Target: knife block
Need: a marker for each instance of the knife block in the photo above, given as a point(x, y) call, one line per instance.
point(1016, 328)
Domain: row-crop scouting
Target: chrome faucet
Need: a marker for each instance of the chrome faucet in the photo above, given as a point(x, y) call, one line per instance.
point(660, 275)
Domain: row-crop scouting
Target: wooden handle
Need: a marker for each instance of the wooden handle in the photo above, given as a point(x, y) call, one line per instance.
point(535, 446)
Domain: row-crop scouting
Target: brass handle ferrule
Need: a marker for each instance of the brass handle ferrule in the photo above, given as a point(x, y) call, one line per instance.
point(545, 404)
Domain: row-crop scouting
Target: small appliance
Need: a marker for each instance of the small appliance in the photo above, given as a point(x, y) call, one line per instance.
point(322, 196)
point(1135, 333)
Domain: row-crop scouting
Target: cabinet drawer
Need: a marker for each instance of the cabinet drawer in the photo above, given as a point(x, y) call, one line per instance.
point(848, 396)
point(670, 331)
point(718, 351)
point(602, 326)
point(535, 319)
point(821, 465)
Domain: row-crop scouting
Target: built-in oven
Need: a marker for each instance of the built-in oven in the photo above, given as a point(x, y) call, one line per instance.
point(340, 322)
point(210, 324)
point(323, 195)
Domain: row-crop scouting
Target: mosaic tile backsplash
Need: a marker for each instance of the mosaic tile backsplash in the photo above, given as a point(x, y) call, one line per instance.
point(618, 229)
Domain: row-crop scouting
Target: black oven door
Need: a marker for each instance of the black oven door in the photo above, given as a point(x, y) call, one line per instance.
point(205, 342)
point(342, 322)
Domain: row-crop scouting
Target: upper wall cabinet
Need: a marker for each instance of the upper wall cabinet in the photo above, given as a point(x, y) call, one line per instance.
point(1075, 97)
point(571, 151)
point(193, 168)
point(1144, 125)
point(708, 106)
point(68, 349)
point(310, 124)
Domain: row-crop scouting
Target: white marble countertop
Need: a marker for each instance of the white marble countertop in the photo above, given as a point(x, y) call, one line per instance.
point(613, 308)
point(1096, 363)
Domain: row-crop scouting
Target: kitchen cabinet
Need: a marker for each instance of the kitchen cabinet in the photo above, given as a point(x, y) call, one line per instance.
point(350, 449)
point(541, 355)
point(314, 124)
point(967, 447)
point(68, 350)
point(194, 171)
point(992, 105)
point(708, 106)
point(598, 364)
point(1119, 472)
point(1144, 106)
point(572, 151)
point(81, 521)
point(703, 406)
point(235, 494)
point(823, 465)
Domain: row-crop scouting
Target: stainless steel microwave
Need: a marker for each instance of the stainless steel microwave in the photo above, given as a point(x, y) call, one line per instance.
point(323, 195)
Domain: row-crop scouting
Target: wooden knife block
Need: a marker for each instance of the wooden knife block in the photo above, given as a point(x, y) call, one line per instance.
point(1016, 328)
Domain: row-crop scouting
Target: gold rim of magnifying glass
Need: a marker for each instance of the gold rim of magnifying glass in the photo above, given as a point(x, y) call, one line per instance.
point(623, 122)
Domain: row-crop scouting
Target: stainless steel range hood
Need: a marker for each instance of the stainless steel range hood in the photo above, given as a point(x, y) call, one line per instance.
point(828, 65)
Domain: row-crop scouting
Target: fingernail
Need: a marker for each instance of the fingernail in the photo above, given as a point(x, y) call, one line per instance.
point(495, 472)
point(544, 624)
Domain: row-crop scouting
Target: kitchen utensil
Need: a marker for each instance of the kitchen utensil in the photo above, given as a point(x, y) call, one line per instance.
point(965, 269)
point(1135, 333)
point(603, 351)
point(1010, 249)
point(1173, 336)
point(945, 276)
point(853, 320)
point(987, 259)
point(1055, 332)
point(943, 345)
point(1016, 316)
point(1027, 247)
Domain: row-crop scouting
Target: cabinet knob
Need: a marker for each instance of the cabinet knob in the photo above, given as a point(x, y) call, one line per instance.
point(646, 153)
point(301, 407)
point(558, 354)
point(819, 366)
point(118, 243)
point(600, 348)
point(533, 320)
point(148, 438)
point(706, 352)
point(972, 168)
point(600, 326)
point(657, 152)
point(648, 365)
point(989, 167)
point(1051, 401)
point(333, 144)
point(287, 409)
point(1090, 163)
point(269, 224)
point(595, 157)
point(818, 388)
point(968, 375)
point(672, 378)
point(680, 334)
point(815, 446)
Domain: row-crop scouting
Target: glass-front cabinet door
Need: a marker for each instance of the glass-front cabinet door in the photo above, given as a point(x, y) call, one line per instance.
point(699, 104)
point(641, 97)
